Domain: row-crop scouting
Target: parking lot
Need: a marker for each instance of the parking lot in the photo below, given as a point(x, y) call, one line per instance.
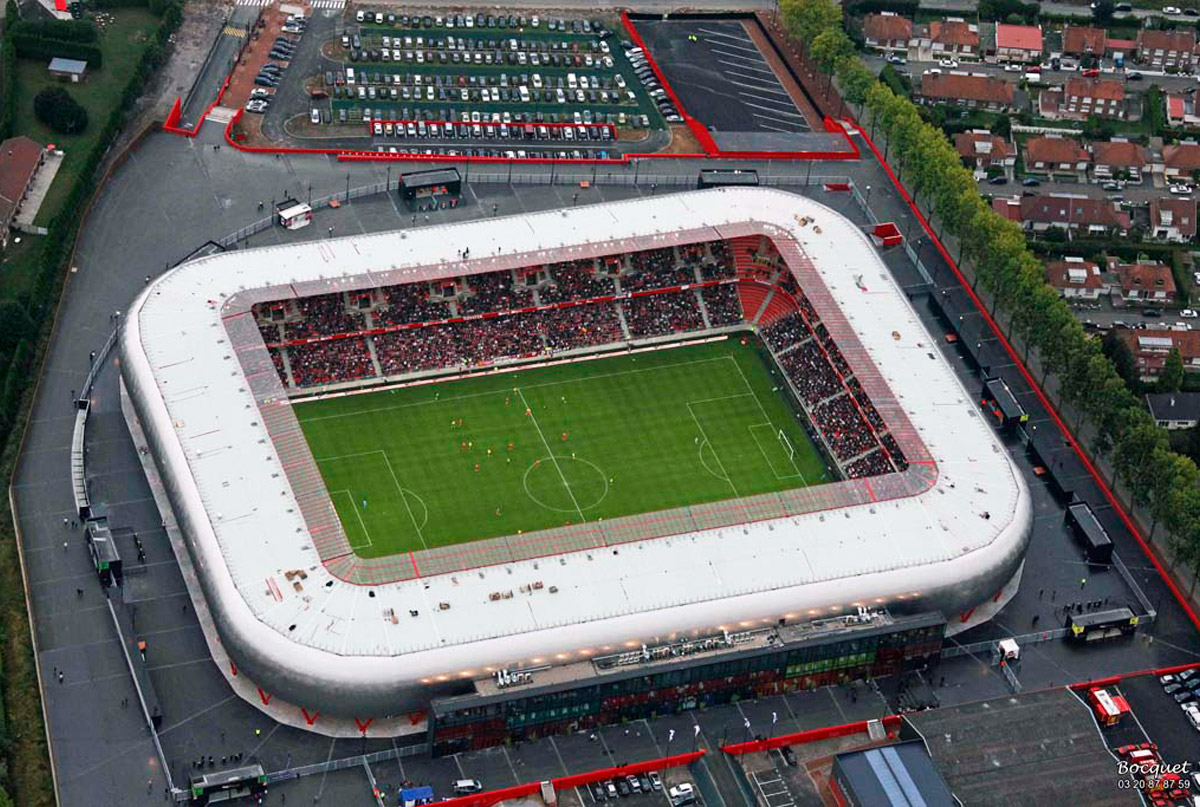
point(722, 77)
point(513, 86)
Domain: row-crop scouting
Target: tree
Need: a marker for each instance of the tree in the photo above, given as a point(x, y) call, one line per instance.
point(806, 19)
point(12, 12)
point(1171, 378)
point(1097, 128)
point(830, 47)
point(1102, 11)
point(1002, 127)
point(55, 107)
point(1121, 356)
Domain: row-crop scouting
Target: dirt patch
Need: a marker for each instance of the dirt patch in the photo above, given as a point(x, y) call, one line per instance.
point(253, 58)
point(682, 141)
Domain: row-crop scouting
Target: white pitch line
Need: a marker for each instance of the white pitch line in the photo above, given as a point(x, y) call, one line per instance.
point(403, 498)
point(470, 395)
point(762, 410)
point(716, 456)
point(361, 523)
point(552, 456)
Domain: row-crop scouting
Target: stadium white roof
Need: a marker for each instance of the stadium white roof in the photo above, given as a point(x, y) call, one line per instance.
point(320, 640)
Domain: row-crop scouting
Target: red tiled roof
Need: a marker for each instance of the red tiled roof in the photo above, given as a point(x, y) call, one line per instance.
point(1182, 214)
point(972, 88)
point(1166, 41)
point(968, 145)
point(1121, 45)
point(1080, 39)
point(1175, 107)
point(1102, 89)
point(1055, 150)
point(1119, 153)
point(953, 32)
point(19, 158)
point(1062, 210)
point(1057, 275)
point(1145, 277)
point(887, 27)
point(1184, 157)
point(1188, 342)
point(1019, 37)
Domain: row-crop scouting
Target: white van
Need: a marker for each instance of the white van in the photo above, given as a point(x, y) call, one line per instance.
point(349, 75)
point(572, 81)
point(524, 91)
point(465, 787)
point(682, 794)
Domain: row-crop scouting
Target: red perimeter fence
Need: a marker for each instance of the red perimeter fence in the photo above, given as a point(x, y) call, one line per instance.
point(575, 780)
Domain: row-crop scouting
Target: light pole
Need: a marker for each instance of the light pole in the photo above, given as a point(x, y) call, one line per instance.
point(867, 203)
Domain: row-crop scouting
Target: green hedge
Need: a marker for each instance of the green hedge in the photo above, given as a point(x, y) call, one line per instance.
point(8, 87)
point(29, 46)
point(70, 30)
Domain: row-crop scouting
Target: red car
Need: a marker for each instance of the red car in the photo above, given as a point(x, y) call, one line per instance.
point(1090, 72)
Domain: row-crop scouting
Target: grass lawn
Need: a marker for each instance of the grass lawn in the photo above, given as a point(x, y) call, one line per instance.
point(476, 458)
point(122, 41)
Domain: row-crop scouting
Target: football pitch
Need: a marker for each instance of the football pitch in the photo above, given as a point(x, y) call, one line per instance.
point(474, 458)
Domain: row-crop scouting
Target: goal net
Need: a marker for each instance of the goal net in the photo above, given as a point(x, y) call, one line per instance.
point(788, 448)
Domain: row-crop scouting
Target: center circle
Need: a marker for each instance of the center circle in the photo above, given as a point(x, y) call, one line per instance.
point(586, 485)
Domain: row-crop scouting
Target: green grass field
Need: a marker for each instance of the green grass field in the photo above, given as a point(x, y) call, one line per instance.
point(459, 461)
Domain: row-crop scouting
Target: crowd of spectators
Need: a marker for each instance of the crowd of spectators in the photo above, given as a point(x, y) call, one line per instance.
point(786, 331)
point(581, 326)
point(659, 314)
point(492, 291)
point(329, 362)
point(723, 304)
point(656, 269)
point(408, 303)
point(873, 464)
point(321, 315)
point(845, 431)
point(576, 280)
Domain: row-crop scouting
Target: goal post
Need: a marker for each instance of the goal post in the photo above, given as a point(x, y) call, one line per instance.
point(788, 448)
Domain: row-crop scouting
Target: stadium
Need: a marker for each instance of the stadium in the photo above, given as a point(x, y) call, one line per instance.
point(407, 463)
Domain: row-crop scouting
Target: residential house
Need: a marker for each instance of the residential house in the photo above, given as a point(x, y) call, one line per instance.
point(1076, 279)
point(1019, 43)
point(1079, 40)
point(1151, 348)
point(1148, 283)
point(1054, 155)
point(974, 91)
point(981, 150)
point(20, 159)
point(1181, 161)
point(1166, 49)
point(887, 31)
point(1076, 214)
point(1174, 410)
point(953, 37)
point(1118, 159)
point(1172, 219)
point(1183, 108)
point(1080, 98)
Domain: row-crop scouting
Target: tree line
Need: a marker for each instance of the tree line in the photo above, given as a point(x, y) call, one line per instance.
point(1157, 479)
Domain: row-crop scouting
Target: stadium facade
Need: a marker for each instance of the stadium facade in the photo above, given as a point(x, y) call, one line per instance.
point(309, 622)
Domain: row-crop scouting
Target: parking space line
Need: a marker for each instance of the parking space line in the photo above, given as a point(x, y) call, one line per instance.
point(742, 58)
point(747, 48)
point(784, 131)
point(774, 92)
point(796, 115)
point(757, 79)
point(765, 100)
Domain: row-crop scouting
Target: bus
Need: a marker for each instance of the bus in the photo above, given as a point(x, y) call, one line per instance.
point(227, 785)
point(1108, 708)
point(1098, 625)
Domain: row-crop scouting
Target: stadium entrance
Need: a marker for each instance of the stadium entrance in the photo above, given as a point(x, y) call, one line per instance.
point(705, 671)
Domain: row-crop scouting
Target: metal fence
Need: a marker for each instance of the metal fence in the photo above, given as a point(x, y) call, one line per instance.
point(78, 451)
point(348, 762)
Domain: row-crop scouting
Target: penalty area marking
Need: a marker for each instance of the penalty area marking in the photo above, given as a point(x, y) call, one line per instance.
point(763, 451)
point(362, 523)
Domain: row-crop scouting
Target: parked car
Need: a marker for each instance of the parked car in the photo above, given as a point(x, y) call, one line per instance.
point(1012, 68)
point(1134, 76)
point(1001, 180)
point(1111, 186)
point(655, 780)
point(896, 59)
point(948, 63)
point(1172, 10)
point(1153, 313)
point(1090, 72)
point(1188, 313)
point(1031, 182)
point(1181, 190)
